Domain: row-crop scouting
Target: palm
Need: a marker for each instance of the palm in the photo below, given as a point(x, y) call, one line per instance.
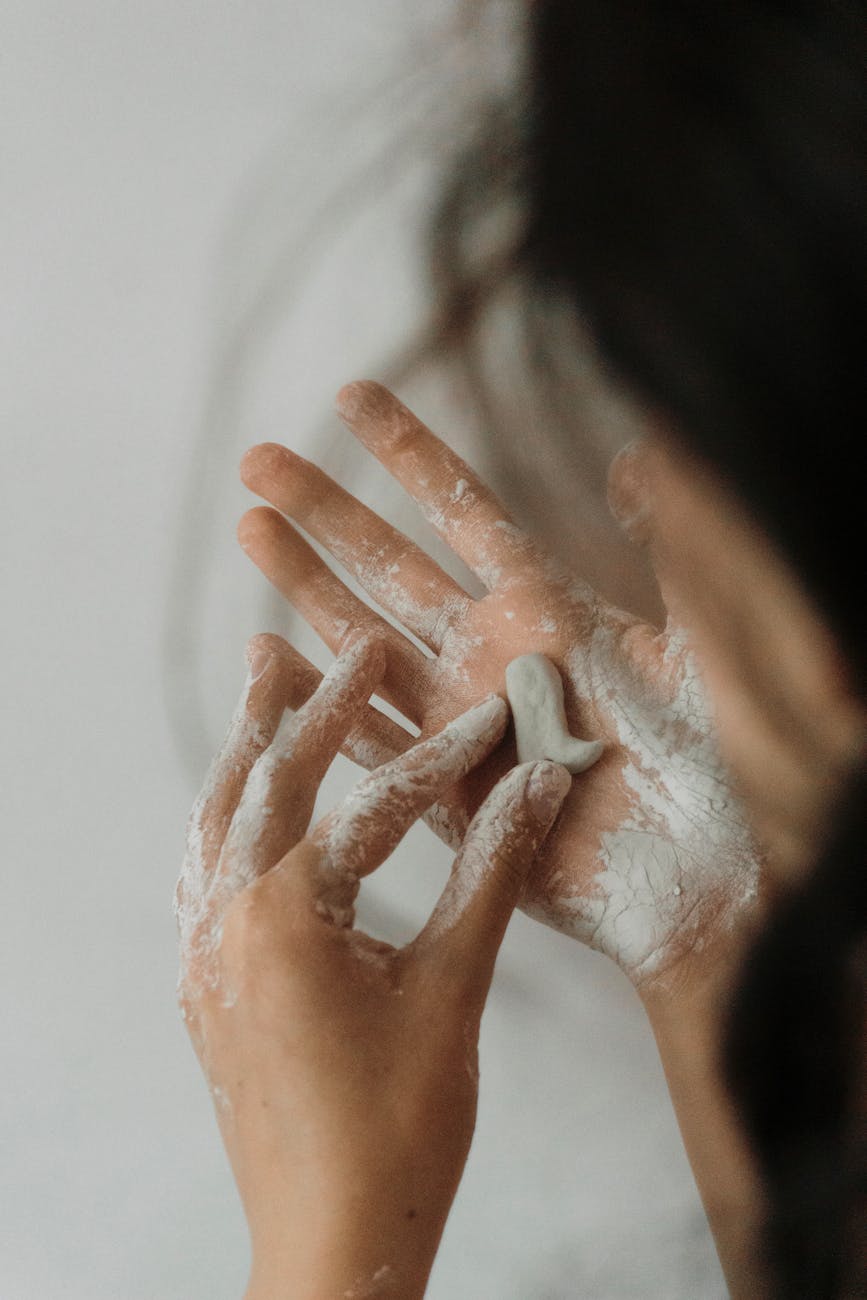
point(650, 847)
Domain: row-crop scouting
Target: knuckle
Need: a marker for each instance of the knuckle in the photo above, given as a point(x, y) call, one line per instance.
point(510, 864)
point(507, 857)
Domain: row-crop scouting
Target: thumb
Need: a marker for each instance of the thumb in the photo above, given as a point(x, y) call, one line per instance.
point(632, 479)
point(466, 928)
point(630, 499)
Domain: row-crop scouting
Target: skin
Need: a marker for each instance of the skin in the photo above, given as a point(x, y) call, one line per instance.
point(532, 605)
point(343, 1071)
point(789, 727)
point(784, 723)
point(791, 733)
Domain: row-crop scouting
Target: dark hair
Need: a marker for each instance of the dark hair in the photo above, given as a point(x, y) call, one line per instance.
point(692, 183)
point(793, 1061)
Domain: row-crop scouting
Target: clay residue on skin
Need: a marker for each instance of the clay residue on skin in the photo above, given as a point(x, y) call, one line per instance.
point(455, 654)
point(345, 834)
point(391, 587)
point(684, 841)
point(488, 830)
point(209, 881)
point(448, 823)
point(192, 896)
point(383, 1282)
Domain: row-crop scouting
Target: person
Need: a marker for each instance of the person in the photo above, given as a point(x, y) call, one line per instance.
point(711, 230)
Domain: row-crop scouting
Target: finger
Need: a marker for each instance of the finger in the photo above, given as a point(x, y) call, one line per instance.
point(629, 497)
point(263, 700)
point(451, 496)
point(631, 501)
point(275, 808)
point(464, 933)
point(373, 741)
point(361, 832)
point(266, 692)
point(374, 738)
point(392, 569)
point(330, 608)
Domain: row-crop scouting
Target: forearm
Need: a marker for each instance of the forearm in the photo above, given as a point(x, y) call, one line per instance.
point(335, 1272)
point(370, 1229)
point(378, 1258)
point(687, 1028)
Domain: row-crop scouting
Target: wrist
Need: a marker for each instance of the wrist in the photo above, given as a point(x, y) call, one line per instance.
point(687, 1016)
point(336, 1245)
point(694, 992)
point(323, 1269)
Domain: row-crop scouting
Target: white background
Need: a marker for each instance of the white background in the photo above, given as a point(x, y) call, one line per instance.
point(160, 312)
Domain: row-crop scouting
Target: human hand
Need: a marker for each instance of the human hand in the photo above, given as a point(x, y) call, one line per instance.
point(343, 1070)
point(651, 860)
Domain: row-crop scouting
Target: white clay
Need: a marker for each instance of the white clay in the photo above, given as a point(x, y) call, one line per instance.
point(685, 840)
point(535, 691)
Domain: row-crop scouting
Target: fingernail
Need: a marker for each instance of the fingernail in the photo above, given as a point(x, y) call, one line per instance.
point(356, 398)
point(482, 718)
point(628, 492)
point(258, 661)
point(546, 789)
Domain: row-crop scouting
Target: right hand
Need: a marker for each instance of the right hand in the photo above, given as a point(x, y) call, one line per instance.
point(343, 1070)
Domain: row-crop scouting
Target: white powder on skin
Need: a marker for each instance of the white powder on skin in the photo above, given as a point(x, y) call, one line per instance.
point(244, 734)
point(684, 845)
point(489, 829)
point(254, 808)
point(207, 886)
point(474, 861)
point(344, 834)
point(428, 620)
point(457, 650)
point(383, 1282)
point(685, 840)
point(221, 1100)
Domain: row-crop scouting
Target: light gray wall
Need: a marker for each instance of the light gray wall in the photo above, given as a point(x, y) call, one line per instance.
point(156, 161)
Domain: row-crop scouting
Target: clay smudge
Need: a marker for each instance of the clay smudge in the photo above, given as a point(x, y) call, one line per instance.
point(487, 830)
point(685, 838)
point(191, 899)
point(344, 834)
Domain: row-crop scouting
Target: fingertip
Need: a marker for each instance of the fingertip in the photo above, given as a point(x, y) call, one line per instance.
point(627, 490)
point(546, 789)
point(347, 396)
point(270, 643)
point(258, 527)
point(362, 398)
point(483, 721)
point(264, 649)
point(258, 657)
point(262, 463)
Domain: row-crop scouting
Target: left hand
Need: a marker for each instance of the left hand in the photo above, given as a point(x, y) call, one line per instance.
point(652, 860)
point(343, 1070)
